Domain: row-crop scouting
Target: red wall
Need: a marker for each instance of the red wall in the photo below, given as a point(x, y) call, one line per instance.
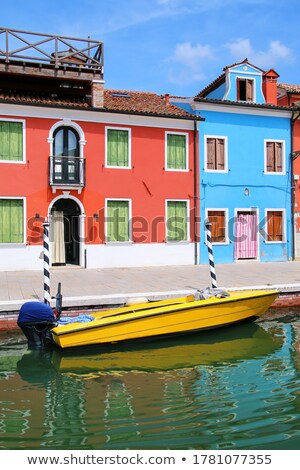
point(147, 183)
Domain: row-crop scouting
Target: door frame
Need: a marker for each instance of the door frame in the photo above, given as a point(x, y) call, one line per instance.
point(249, 210)
point(81, 224)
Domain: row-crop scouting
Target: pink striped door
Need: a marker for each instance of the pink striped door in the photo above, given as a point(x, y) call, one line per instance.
point(245, 235)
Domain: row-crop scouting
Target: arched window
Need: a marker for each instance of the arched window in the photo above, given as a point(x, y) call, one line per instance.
point(66, 142)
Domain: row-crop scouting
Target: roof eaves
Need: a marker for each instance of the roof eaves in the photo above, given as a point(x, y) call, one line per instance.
point(242, 104)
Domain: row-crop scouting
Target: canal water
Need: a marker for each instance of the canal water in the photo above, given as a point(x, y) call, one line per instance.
point(235, 388)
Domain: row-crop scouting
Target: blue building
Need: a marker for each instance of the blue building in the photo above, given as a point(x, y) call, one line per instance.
point(244, 166)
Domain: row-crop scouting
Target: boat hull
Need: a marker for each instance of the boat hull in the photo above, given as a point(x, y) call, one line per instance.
point(155, 320)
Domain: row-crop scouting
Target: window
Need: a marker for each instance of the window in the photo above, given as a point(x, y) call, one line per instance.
point(217, 219)
point(66, 142)
point(176, 151)
point(244, 89)
point(177, 221)
point(275, 228)
point(118, 148)
point(11, 141)
point(117, 220)
point(215, 155)
point(11, 221)
point(274, 161)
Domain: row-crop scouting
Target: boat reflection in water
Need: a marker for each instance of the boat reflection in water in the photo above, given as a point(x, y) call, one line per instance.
point(187, 392)
point(180, 353)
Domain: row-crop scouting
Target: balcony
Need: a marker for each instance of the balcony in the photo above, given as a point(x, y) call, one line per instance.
point(66, 173)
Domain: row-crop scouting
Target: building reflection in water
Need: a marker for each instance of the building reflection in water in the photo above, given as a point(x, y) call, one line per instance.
point(190, 392)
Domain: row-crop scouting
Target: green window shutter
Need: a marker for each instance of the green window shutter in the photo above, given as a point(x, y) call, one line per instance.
point(11, 221)
point(117, 221)
point(117, 147)
point(176, 152)
point(11, 141)
point(176, 220)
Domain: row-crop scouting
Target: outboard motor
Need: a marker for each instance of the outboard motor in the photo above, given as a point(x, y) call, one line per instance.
point(36, 320)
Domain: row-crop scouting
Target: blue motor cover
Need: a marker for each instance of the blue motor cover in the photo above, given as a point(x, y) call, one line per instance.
point(36, 312)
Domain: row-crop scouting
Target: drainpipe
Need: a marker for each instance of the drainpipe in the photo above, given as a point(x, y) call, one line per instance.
point(196, 189)
point(293, 155)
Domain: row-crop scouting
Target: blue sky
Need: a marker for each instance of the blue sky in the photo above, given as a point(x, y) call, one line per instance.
point(171, 46)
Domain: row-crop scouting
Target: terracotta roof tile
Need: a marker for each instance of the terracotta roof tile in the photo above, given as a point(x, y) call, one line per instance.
point(141, 102)
point(289, 88)
point(39, 98)
point(123, 101)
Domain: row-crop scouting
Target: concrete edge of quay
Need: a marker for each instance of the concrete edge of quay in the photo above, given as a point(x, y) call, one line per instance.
point(289, 297)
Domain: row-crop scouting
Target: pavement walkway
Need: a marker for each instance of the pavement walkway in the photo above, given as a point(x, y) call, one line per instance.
point(100, 287)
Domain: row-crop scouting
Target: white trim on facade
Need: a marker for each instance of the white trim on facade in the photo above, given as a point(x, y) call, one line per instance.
point(223, 137)
point(188, 221)
point(123, 255)
point(226, 211)
point(109, 118)
point(275, 173)
point(130, 221)
point(67, 123)
point(239, 109)
point(118, 128)
point(82, 216)
point(22, 198)
point(283, 211)
point(186, 169)
point(23, 121)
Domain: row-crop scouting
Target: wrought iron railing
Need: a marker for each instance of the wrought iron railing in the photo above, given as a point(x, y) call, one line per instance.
point(56, 50)
point(66, 171)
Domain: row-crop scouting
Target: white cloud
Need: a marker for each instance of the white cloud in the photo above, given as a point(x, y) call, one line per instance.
point(276, 52)
point(191, 60)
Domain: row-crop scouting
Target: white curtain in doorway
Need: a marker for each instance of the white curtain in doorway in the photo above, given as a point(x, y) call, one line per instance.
point(58, 247)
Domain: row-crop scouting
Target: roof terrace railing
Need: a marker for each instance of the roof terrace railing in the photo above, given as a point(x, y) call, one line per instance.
point(58, 51)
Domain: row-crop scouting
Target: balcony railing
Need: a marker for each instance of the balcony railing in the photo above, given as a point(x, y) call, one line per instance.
point(67, 171)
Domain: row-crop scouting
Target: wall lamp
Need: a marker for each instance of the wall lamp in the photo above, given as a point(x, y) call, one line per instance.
point(247, 192)
point(96, 216)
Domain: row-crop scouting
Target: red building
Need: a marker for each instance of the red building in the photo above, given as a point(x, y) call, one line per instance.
point(289, 95)
point(113, 171)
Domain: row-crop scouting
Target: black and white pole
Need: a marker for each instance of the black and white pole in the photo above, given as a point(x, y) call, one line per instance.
point(210, 255)
point(46, 263)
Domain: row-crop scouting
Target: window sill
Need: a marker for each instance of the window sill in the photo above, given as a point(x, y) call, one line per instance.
point(180, 170)
point(127, 243)
point(178, 242)
point(118, 167)
point(13, 244)
point(14, 162)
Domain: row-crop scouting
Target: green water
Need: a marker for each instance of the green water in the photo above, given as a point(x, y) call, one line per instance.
point(235, 388)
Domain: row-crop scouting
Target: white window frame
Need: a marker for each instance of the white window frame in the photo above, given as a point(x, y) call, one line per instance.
point(23, 242)
point(186, 169)
point(117, 128)
point(130, 221)
point(23, 161)
point(226, 211)
point(275, 173)
point(223, 137)
point(253, 80)
point(188, 228)
point(283, 211)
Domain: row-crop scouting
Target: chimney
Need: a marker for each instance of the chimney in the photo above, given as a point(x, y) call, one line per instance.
point(97, 93)
point(167, 98)
point(269, 86)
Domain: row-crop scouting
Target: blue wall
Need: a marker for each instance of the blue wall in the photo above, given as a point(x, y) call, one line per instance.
point(246, 134)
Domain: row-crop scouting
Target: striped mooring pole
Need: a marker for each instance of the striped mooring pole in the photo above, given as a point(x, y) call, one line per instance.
point(46, 263)
point(210, 255)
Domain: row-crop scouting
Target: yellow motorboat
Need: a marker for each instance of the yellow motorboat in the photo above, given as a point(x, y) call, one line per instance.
point(163, 318)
